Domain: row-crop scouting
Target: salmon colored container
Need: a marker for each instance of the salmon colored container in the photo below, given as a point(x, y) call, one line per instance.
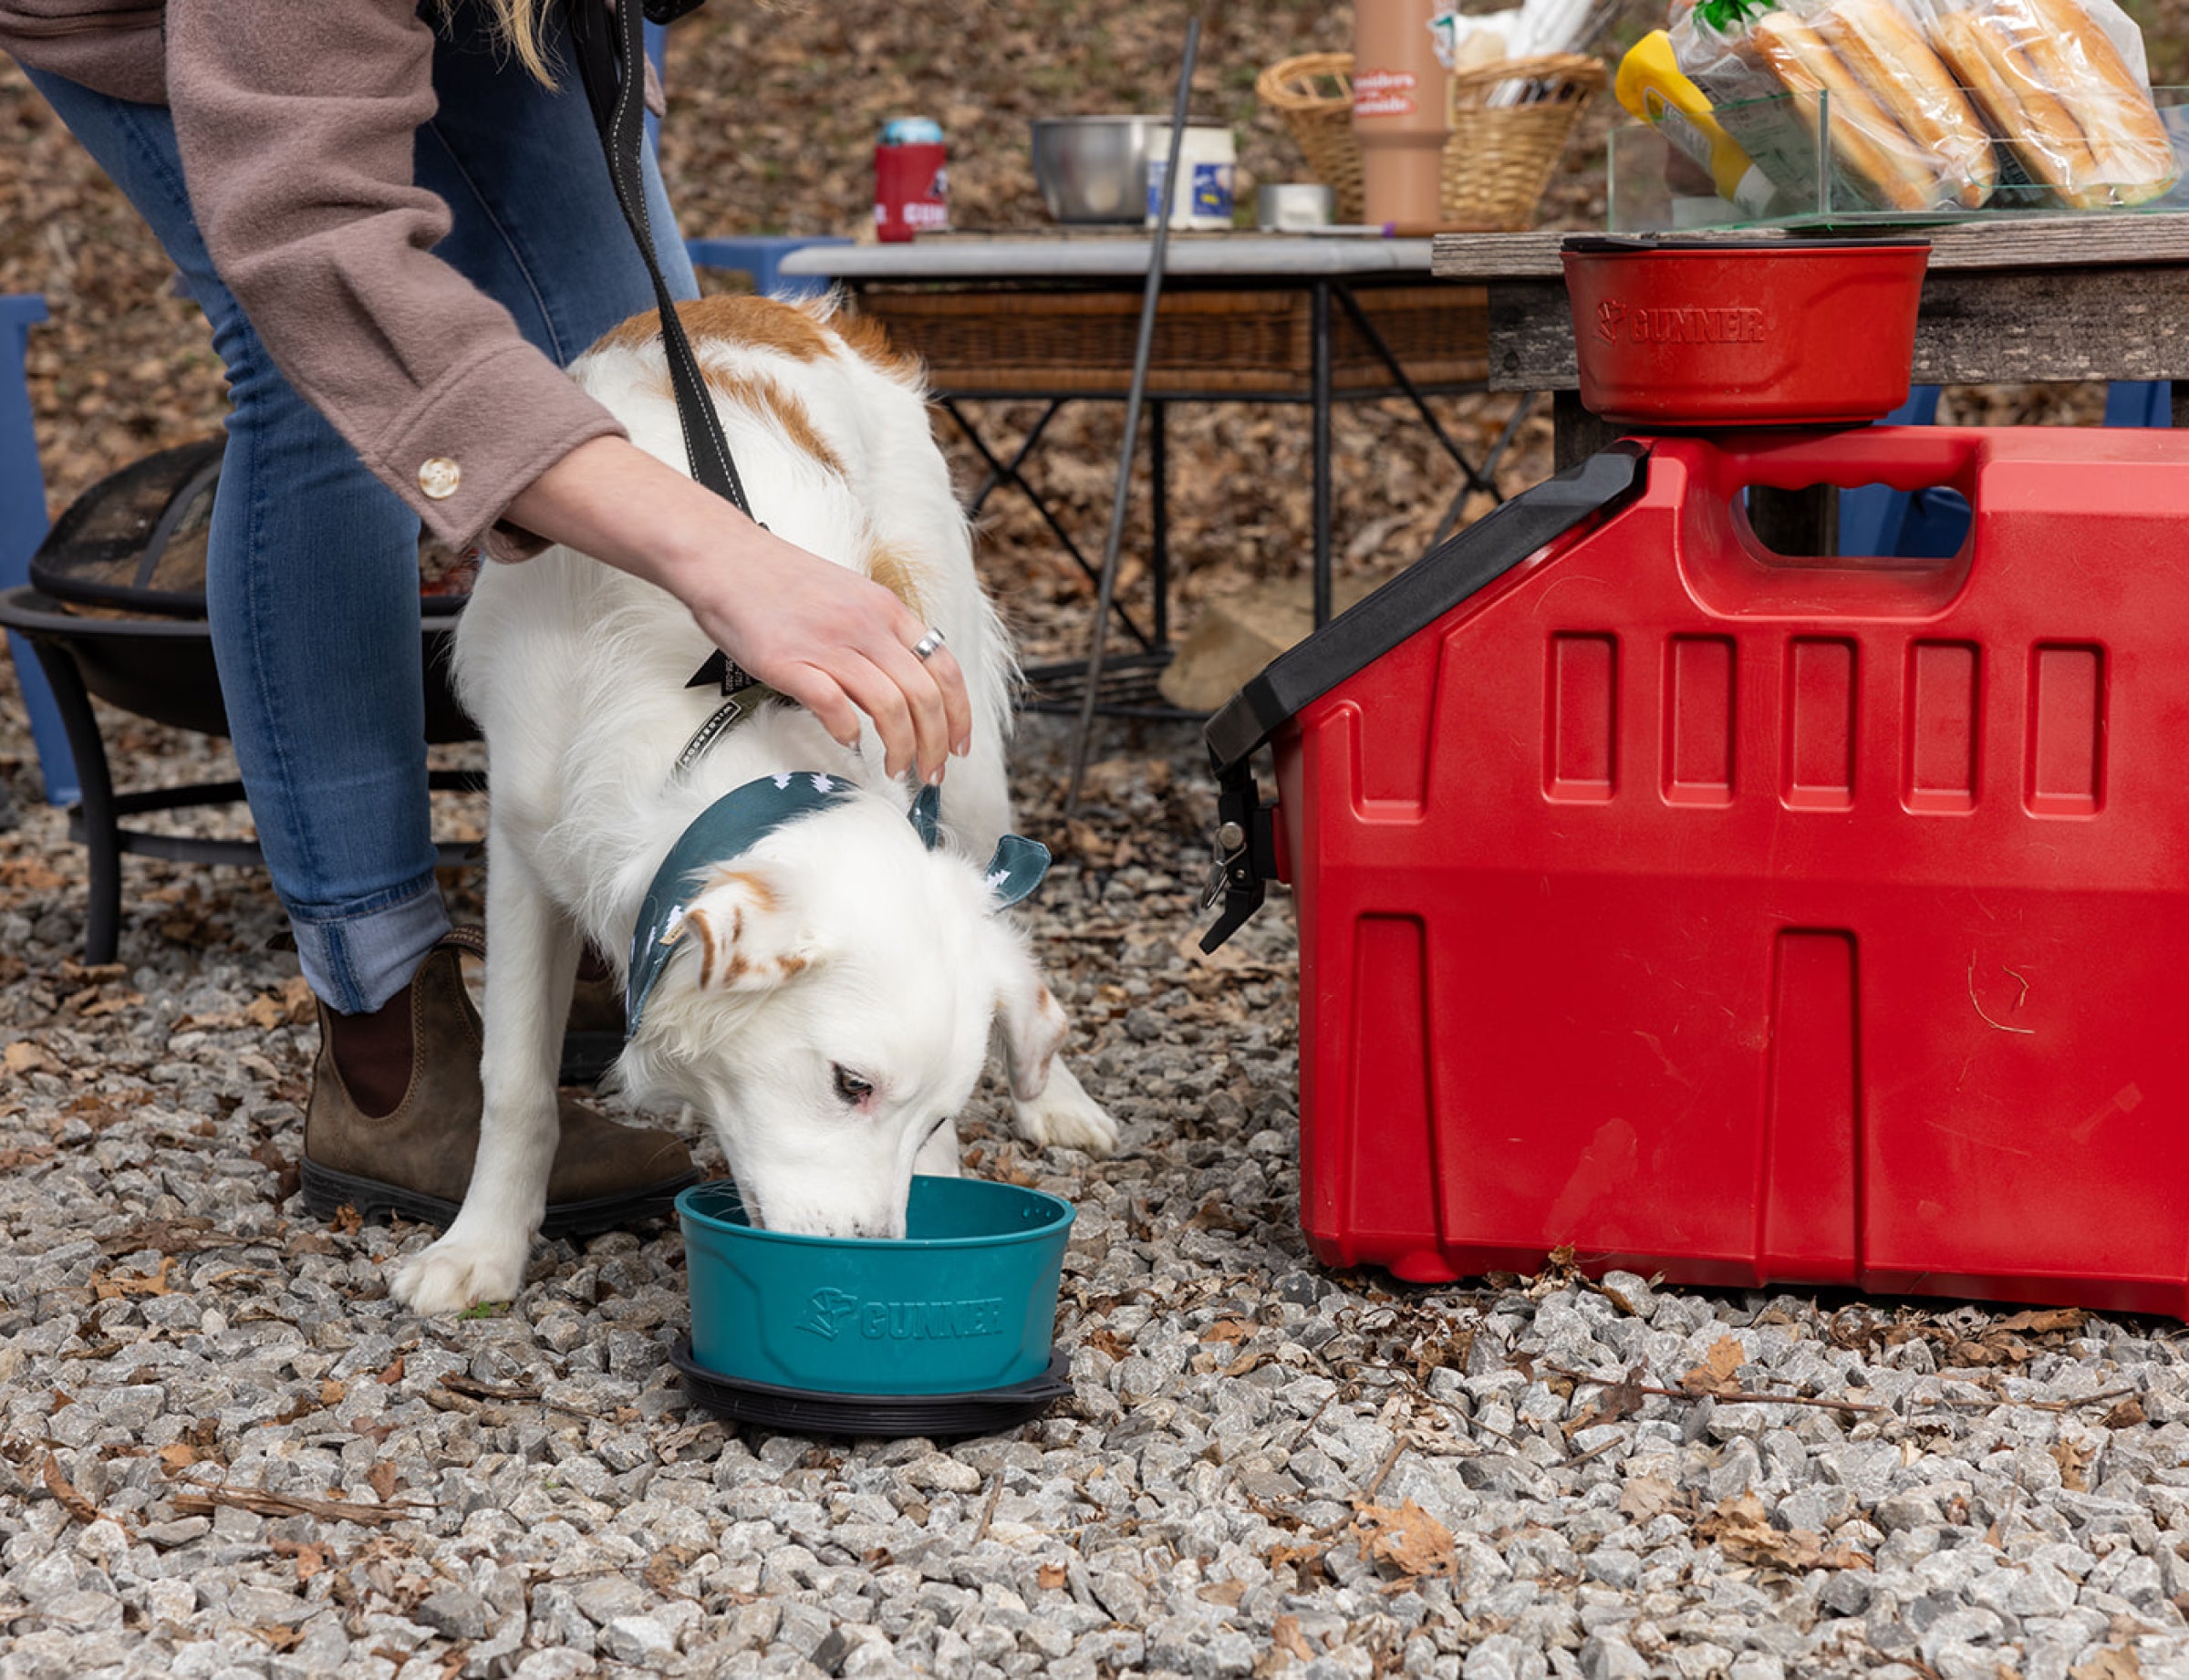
point(1764, 332)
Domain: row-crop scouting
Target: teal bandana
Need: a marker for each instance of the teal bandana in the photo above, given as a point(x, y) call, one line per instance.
point(737, 821)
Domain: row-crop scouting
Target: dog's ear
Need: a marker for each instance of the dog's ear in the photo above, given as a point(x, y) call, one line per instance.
point(1032, 1023)
point(743, 934)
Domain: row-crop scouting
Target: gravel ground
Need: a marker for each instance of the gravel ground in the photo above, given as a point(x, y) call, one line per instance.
point(227, 1453)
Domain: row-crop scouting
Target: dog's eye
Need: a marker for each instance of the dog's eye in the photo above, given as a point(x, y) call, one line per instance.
point(850, 1086)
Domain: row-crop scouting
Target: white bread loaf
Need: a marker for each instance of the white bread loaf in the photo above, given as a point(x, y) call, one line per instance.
point(1873, 149)
point(1880, 44)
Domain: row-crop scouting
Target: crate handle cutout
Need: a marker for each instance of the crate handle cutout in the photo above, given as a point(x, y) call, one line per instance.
point(1736, 573)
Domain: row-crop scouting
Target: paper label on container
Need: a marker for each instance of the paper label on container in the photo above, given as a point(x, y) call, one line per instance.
point(1385, 93)
point(1208, 199)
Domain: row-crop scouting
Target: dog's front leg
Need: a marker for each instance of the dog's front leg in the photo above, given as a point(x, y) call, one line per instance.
point(1048, 1105)
point(531, 962)
point(937, 1157)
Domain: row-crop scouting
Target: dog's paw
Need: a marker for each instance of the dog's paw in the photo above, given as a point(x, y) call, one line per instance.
point(1064, 1116)
point(452, 1275)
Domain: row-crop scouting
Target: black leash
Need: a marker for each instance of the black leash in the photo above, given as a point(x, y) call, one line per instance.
point(610, 49)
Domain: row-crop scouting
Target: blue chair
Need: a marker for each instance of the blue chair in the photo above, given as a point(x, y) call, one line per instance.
point(1931, 525)
point(22, 527)
point(760, 255)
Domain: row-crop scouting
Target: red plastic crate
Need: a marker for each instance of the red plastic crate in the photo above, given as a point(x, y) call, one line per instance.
point(1751, 920)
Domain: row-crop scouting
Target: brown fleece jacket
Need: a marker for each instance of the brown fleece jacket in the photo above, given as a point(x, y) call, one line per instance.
point(295, 119)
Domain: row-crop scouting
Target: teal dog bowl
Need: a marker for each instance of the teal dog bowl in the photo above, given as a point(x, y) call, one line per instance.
point(963, 1305)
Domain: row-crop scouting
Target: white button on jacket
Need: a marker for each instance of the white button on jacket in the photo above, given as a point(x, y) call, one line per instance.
point(439, 478)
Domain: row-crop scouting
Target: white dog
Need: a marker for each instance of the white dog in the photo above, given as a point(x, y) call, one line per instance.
point(826, 997)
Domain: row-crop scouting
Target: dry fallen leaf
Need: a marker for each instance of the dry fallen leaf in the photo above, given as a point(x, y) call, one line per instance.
point(2045, 1321)
point(382, 1479)
point(1647, 1498)
point(2126, 1415)
point(311, 1556)
point(66, 1492)
point(25, 1057)
point(2113, 1663)
point(1286, 1636)
point(124, 1286)
point(2073, 1458)
point(1225, 1593)
point(1050, 1576)
point(1619, 1400)
point(1714, 1375)
point(1741, 1528)
point(1408, 1538)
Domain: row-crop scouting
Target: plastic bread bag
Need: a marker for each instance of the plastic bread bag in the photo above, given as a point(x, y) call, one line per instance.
point(1903, 136)
point(2065, 83)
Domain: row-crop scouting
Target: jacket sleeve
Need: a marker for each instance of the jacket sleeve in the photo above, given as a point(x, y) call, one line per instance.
point(297, 124)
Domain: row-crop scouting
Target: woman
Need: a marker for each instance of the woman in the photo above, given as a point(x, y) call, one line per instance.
point(398, 222)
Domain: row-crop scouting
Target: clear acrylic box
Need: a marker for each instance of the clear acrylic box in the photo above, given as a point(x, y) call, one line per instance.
point(1654, 187)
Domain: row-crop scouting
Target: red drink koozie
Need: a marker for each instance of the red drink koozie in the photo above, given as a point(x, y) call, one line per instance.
point(911, 183)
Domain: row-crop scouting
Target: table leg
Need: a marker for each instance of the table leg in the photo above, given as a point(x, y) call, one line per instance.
point(1007, 472)
point(1802, 523)
point(1159, 516)
point(1575, 433)
point(1368, 330)
point(1319, 393)
point(1002, 473)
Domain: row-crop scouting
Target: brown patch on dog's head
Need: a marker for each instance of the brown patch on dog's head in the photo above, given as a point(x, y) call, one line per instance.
point(867, 339)
point(897, 571)
point(756, 889)
point(763, 322)
point(706, 950)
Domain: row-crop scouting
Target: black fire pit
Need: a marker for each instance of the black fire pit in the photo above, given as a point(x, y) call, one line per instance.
point(116, 608)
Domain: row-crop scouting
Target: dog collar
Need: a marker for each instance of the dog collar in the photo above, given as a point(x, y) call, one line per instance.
point(737, 821)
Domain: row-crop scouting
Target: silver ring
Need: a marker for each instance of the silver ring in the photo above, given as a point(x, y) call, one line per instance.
point(924, 648)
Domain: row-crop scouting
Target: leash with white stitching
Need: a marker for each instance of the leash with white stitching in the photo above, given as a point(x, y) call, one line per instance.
point(607, 63)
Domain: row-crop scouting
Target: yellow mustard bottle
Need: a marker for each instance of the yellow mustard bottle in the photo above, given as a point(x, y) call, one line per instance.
point(1653, 87)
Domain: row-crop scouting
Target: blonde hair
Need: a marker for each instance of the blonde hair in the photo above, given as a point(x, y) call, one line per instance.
point(517, 25)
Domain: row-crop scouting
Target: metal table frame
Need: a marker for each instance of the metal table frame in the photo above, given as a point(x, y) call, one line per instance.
point(1331, 272)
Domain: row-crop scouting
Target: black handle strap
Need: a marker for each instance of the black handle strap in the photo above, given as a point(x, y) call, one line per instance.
point(610, 46)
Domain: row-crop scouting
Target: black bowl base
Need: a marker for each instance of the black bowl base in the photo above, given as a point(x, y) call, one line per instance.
point(797, 1411)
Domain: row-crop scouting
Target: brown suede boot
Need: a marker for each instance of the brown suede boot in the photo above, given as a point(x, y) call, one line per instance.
point(593, 1037)
point(393, 1123)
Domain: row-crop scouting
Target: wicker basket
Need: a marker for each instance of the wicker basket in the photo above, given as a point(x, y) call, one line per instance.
point(982, 343)
point(1314, 94)
point(1498, 159)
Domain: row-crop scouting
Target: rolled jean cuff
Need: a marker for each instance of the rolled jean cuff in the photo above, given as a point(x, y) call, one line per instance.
point(355, 961)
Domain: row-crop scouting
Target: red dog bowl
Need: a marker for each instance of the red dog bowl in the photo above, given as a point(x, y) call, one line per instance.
point(1777, 332)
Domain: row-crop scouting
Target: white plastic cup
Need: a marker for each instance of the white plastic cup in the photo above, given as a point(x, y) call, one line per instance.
point(1206, 188)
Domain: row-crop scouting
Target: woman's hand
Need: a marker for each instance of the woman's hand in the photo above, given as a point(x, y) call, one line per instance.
point(835, 641)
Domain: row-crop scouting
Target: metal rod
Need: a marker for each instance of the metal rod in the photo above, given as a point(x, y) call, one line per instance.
point(1319, 382)
point(1149, 300)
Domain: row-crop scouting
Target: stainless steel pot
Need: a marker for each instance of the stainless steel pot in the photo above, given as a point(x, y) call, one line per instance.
point(1095, 169)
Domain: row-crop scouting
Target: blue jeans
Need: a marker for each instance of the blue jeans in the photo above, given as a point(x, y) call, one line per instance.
point(312, 581)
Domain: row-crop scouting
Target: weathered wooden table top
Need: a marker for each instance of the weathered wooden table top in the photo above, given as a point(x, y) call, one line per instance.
point(2068, 297)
